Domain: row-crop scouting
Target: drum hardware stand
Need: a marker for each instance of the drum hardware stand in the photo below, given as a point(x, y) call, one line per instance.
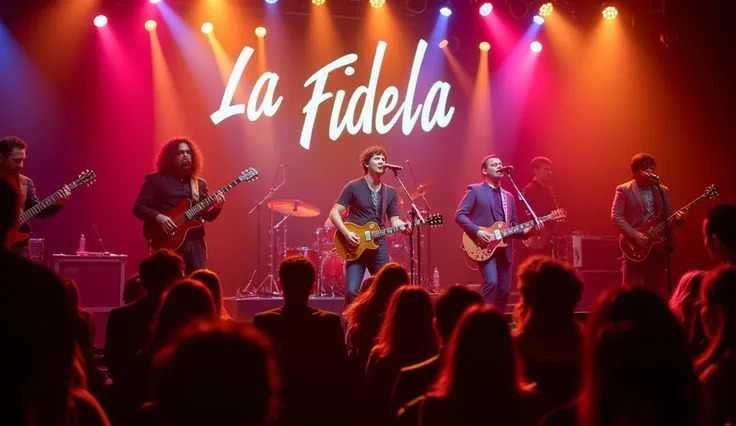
point(420, 239)
point(271, 286)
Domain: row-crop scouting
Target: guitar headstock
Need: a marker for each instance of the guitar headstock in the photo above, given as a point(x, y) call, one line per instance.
point(558, 215)
point(711, 192)
point(434, 220)
point(248, 175)
point(87, 177)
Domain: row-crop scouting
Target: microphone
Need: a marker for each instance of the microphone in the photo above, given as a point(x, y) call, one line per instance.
point(652, 177)
point(392, 166)
point(507, 169)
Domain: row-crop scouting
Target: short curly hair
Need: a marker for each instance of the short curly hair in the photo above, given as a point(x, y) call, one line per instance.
point(368, 153)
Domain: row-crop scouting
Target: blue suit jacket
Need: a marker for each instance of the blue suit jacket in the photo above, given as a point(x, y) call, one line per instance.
point(476, 209)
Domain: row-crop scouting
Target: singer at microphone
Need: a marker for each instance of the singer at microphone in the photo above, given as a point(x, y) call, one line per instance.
point(506, 169)
point(392, 166)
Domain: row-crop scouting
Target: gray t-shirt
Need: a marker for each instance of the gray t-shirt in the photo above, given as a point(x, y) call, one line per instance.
point(359, 200)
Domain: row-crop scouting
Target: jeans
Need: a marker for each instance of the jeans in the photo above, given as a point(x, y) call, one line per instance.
point(194, 253)
point(496, 280)
point(651, 273)
point(373, 260)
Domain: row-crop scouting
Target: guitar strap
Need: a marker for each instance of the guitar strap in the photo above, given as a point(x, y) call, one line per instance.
point(23, 184)
point(384, 202)
point(195, 190)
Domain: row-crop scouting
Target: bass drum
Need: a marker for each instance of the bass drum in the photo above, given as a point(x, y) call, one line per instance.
point(332, 274)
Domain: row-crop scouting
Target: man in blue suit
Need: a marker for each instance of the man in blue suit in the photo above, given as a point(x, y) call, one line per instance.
point(484, 204)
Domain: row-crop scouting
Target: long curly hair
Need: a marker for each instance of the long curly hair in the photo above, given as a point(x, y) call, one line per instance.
point(165, 159)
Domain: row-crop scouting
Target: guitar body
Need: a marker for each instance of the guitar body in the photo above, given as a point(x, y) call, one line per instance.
point(349, 252)
point(634, 251)
point(15, 236)
point(157, 238)
point(479, 250)
point(540, 240)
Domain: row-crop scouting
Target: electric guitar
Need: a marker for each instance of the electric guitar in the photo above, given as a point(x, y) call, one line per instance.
point(369, 233)
point(480, 251)
point(87, 177)
point(187, 217)
point(654, 229)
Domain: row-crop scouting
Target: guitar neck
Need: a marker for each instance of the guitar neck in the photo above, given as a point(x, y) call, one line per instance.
point(393, 230)
point(41, 206)
point(202, 205)
point(685, 210)
point(520, 228)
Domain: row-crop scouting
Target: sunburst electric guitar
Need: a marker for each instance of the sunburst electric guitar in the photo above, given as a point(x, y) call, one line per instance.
point(87, 177)
point(370, 233)
point(480, 251)
point(187, 217)
point(654, 229)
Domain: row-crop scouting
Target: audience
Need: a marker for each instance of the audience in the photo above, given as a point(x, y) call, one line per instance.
point(718, 311)
point(684, 304)
point(212, 282)
point(719, 233)
point(133, 289)
point(548, 335)
point(480, 382)
point(310, 348)
point(415, 380)
point(406, 338)
point(220, 373)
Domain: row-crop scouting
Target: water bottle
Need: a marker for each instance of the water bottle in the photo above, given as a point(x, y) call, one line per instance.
point(82, 242)
point(436, 279)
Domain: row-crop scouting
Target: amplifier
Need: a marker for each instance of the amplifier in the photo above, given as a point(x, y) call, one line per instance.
point(38, 249)
point(589, 253)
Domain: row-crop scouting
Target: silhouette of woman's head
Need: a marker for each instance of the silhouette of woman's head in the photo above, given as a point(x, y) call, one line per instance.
point(684, 304)
point(185, 302)
point(718, 311)
point(407, 330)
point(637, 365)
point(375, 299)
point(212, 282)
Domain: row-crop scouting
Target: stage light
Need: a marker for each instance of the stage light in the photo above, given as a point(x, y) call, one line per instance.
point(610, 12)
point(154, 1)
point(272, 1)
point(377, 3)
point(318, 2)
point(207, 27)
point(546, 9)
point(485, 9)
point(536, 46)
point(538, 20)
point(484, 46)
point(150, 25)
point(443, 44)
point(260, 32)
point(100, 21)
point(445, 11)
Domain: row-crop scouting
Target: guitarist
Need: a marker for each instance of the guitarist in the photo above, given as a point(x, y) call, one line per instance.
point(634, 204)
point(177, 177)
point(366, 199)
point(12, 157)
point(541, 196)
point(484, 204)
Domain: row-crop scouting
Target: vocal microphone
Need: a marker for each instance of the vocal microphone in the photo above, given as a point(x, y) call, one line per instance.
point(652, 177)
point(507, 169)
point(392, 166)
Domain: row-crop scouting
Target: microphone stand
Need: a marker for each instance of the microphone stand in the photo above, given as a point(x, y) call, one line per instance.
point(667, 230)
point(257, 275)
point(415, 213)
point(521, 197)
point(420, 191)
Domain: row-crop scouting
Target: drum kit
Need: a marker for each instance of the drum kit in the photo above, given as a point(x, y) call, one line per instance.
point(329, 266)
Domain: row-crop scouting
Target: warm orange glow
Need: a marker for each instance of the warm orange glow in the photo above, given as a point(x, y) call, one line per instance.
point(207, 27)
point(484, 46)
point(443, 44)
point(260, 32)
point(546, 9)
point(318, 2)
point(377, 3)
point(610, 13)
point(150, 25)
point(168, 107)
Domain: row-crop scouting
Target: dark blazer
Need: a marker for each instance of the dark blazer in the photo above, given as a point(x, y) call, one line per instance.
point(310, 348)
point(414, 381)
point(628, 212)
point(127, 332)
point(476, 209)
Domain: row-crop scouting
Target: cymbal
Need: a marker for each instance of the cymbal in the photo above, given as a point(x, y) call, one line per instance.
point(296, 208)
point(421, 189)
